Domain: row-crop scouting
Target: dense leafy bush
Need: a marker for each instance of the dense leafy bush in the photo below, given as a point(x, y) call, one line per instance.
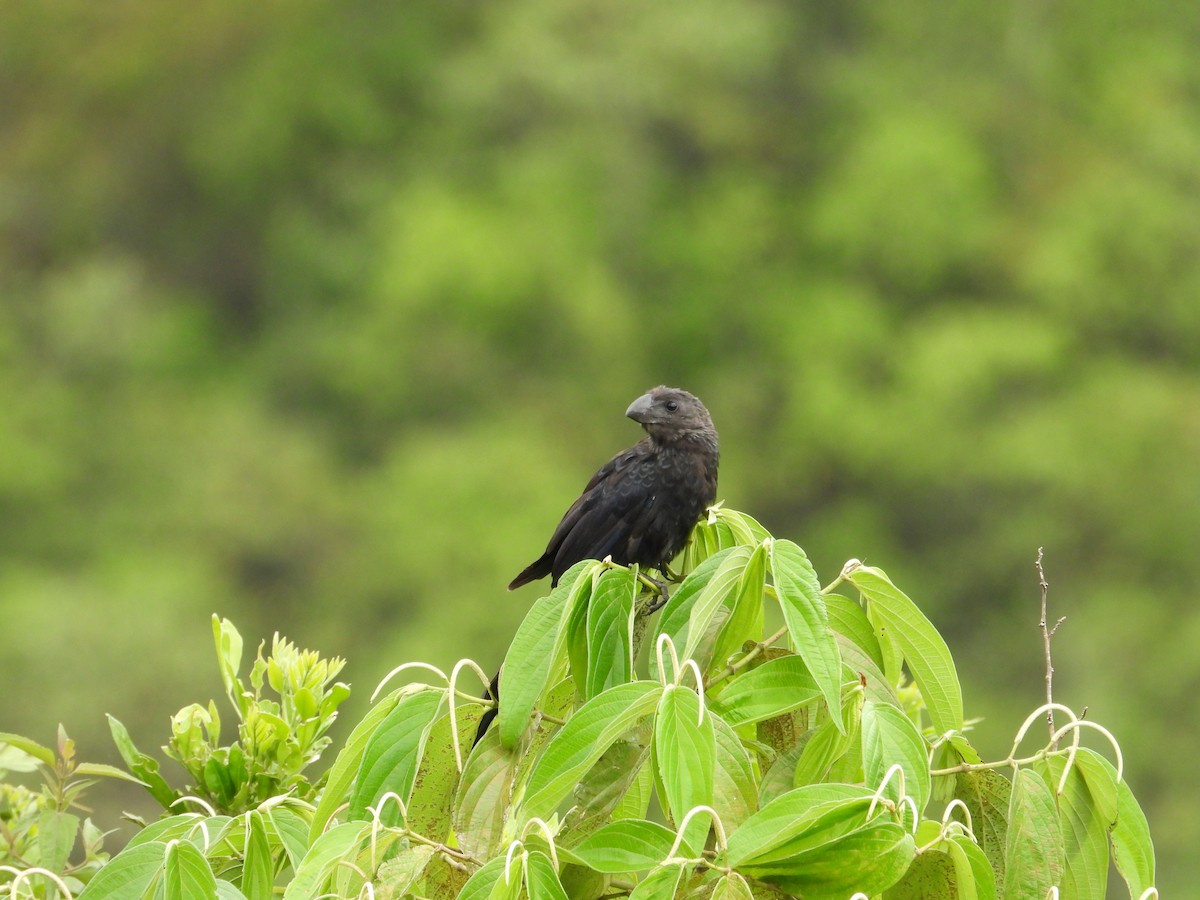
point(781, 739)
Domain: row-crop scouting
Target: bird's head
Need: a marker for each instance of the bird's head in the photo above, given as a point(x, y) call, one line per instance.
point(670, 414)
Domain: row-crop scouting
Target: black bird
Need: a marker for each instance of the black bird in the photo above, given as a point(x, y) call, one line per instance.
point(641, 505)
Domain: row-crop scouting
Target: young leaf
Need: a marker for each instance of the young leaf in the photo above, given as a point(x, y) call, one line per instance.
point(889, 737)
point(186, 874)
point(229, 660)
point(924, 649)
point(582, 741)
point(393, 752)
point(33, 748)
point(777, 686)
point(610, 631)
point(685, 754)
point(807, 621)
point(732, 887)
point(1033, 859)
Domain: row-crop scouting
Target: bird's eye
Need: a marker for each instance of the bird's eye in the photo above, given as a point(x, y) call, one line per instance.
point(672, 406)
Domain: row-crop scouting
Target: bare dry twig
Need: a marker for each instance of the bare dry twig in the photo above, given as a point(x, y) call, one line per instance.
point(1047, 633)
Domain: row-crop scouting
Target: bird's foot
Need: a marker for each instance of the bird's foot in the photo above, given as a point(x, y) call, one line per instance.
point(663, 594)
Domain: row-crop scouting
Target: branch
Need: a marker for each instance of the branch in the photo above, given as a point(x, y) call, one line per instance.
point(744, 661)
point(1047, 633)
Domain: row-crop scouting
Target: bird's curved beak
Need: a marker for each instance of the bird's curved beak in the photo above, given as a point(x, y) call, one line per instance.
point(639, 409)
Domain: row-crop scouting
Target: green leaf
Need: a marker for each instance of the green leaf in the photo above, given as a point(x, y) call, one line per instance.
point(541, 879)
point(777, 686)
point(601, 790)
point(186, 874)
point(732, 887)
point(636, 799)
point(24, 744)
point(1085, 832)
point(610, 631)
point(683, 614)
point(484, 795)
point(685, 755)
point(398, 874)
point(143, 767)
point(1132, 849)
point(489, 881)
point(290, 830)
point(932, 875)
point(659, 884)
point(823, 746)
point(925, 651)
point(969, 857)
point(848, 618)
point(700, 626)
point(791, 815)
point(735, 787)
point(745, 618)
point(322, 858)
point(431, 803)
point(987, 795)
point(1034, 856)
point(870, 859)
point(807, 621)
point(128, 875)
point(628, 845)
point(535, 654)
point(55, 837)
point(344, 769)
point(229, 659)
point(393, 752)
point(227, 891)
point(889, 737)
point(258, 866)
point(582, 741)
point(106, 771)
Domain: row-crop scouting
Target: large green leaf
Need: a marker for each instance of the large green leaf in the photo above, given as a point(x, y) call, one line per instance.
point(807, 621)
point(431, 803)
point(393, 752)
point(344, 769)
point(924, 650)
point(144, 768)
point(323, 857)
point(629, 845)
point(849, 619)
point(659, 884)
point(1034, 855)
point(541, 879)
point(694, 602)
point(536, 652)
point(744, 621)
point(987, 795)
point(606, 783)
point(735, 786)
point(258, 862)
point(610, 631)
point(582, 741)
point(187, 875)
point(1085, 831)
point(128, 875)
point(55, 837)
point(484, 796)
point(1132, 849)
point(790, 815)
point(685, 755)
point(490, 882)
point(777, 686)
point(890, 738)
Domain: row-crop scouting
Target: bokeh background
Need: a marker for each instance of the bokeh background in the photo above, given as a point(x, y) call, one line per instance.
point(318, 314)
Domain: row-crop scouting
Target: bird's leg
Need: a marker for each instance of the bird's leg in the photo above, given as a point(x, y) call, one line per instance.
point(660, 587)
point(670, 574)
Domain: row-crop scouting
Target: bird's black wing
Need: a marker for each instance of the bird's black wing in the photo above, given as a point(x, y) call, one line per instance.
point(600, 522)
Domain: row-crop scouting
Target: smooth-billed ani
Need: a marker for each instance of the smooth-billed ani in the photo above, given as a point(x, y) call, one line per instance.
point(641, 505)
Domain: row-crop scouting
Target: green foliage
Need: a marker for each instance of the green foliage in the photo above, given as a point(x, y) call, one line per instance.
point(770, 783)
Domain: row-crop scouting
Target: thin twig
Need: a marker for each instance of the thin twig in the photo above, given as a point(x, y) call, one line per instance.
point(1047, 633)
point(744, 661)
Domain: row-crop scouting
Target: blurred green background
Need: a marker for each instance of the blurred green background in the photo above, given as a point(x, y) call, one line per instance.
point(317, 315)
